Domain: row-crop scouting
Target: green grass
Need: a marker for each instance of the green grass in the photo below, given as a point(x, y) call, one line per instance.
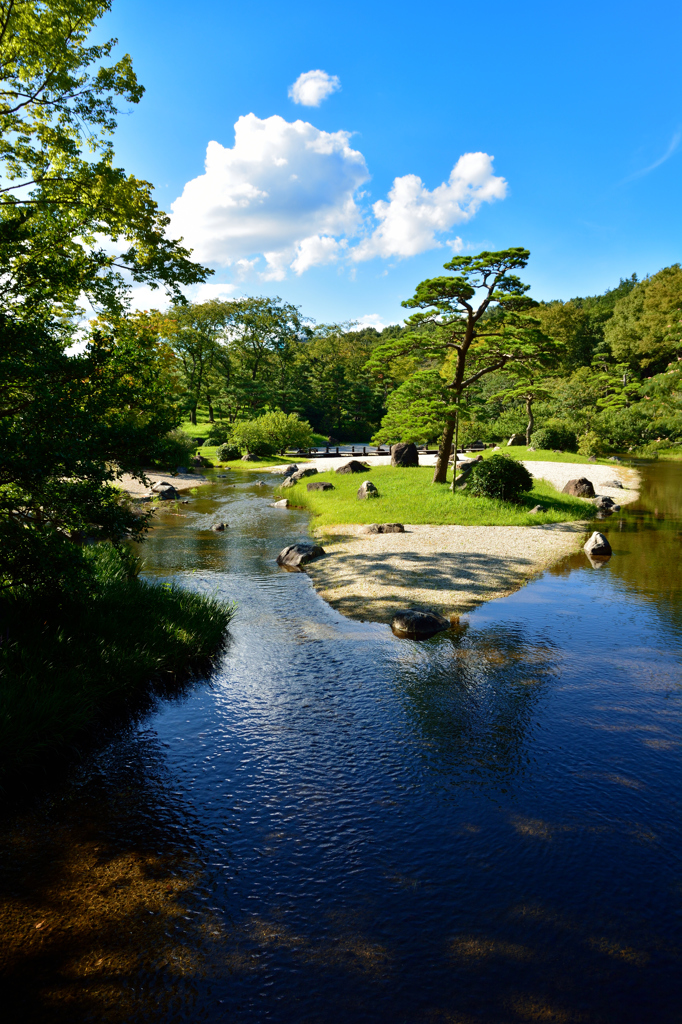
point(272, 460)
point(522, 453)
point(70, 664)
point(408, 496)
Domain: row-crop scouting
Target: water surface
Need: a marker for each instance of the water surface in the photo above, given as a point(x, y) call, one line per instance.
point(344, 826)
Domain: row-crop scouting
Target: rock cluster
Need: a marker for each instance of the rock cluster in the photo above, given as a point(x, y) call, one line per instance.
point(300, 474)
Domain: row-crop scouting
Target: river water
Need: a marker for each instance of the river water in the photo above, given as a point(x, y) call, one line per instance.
point(340, 825)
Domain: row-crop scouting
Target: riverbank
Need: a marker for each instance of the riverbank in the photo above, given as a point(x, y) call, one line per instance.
point(73, 662)
point(451, 567)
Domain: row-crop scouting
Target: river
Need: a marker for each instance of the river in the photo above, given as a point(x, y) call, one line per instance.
point(340, 825)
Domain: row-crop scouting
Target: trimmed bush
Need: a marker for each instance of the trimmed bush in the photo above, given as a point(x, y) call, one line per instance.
point(590, 444)
point(499, 477)
point(550, 437)
point(228, 452)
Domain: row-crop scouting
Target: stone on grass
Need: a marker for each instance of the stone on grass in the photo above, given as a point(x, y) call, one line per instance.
point(283, 503)
point(353, 467)
point(579, 488)
point(320, 485)
point(419, 623)
point(367, 490)
point(219, 527)
point(249, 457)
point(516, 439)
point(538, 508)
point(404, 454)
point(598, 546)
point(383, 528)
point(296, 555)
point(300, 474)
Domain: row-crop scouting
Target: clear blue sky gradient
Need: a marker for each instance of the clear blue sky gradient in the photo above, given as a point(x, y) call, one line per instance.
point(578, 103)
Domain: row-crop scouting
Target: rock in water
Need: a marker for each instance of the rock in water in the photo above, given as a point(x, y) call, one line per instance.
point(404, 454)
point(320, 485)
point(580, 488)
point(297, 555)
point(283, 503)
point(603, 501)
point(165, 491)
point(291, 468)
point(367, 490)
point(516, 439)
point(598, 546)
point(219, 527)
point(419, 623)
point(353, 467)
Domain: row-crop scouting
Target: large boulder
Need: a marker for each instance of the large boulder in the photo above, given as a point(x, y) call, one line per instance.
point(419, 623)
point(299, 475)
point(290, 469)
point(598, 546)
point(353, 467)
point(579, 488)
point(320, 485)
point(165, 491)
point(367, 490)
point(404, 454)
point(516, 439)
point(296, 555)
point(249, 457)
point(383, 528)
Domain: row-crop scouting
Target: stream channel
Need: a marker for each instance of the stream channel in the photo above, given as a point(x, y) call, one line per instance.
point(340, 825)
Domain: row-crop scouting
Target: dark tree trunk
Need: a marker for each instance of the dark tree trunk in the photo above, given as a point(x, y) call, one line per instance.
point(531, 421)
point(210, 412)
point(440, 475)
point(454, 458)
point(193, 416)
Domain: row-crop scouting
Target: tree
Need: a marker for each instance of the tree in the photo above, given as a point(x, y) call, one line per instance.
point(195, 333)
point(70, 225)
point(468, 337)
point(646, 327)
point(417, 409)
point(529, 386)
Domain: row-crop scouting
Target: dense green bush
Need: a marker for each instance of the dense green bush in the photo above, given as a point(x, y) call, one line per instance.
point(555, 436)
point(499, 477)
point(219, 433)
point(271, 433)
point(591, 444)
point(228, 452)
point(175, 449)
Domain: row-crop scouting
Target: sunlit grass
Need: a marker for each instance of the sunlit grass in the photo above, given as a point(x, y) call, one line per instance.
point(408, 496)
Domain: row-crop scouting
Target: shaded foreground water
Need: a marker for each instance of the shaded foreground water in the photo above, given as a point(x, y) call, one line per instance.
point(344, 826)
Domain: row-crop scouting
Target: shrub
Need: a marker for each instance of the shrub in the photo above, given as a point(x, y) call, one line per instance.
point(271, 433)
point(175, 449)
point(499, 477)
point(219, 433)
point(228, 452)
point(590, 444)
point(555, 436)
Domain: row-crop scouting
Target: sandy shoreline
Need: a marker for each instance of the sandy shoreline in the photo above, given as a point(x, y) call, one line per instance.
point(451, 568)
point(182, 482)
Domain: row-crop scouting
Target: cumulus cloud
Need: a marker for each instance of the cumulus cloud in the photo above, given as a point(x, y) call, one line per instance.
point(287, 197)
point(284, 190)
point(413, 216)
point(312, 87)
point(369, 320)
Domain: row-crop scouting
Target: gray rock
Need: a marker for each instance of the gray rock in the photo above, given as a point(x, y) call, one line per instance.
point(538, 508)
point(465, 470)
point(353, 467)
point(603, 501)
point(598, 546)
point(282, 503)
point(404, 454)
point(419, 623)
point(516, 439)
point(367, 490)
point(296, 555)
point(165, 491)
point(383, 528)
point(291, 468)
point(249, 457)
point(579, 488)
point(320, 485)
point(616, 484)
point(299, 475)
point(219, 527)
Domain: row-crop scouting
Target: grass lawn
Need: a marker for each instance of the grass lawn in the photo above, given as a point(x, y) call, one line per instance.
point(271, 460)
point(408, 496)
point(522, 453)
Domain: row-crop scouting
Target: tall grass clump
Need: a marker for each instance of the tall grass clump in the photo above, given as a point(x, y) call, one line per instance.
point(72, 660)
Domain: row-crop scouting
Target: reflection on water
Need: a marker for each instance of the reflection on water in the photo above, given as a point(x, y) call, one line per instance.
point(342, 825)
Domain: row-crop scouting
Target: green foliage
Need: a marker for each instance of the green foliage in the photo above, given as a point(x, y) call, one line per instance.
point(174, 449)
point(555, 436)
point(60, 212)
point(499, 477)
point(406, 496)
point(646, 327)
point(417, 409)
point(271, 433)
point(591, 444)
point(228, 452)
point(67, 665)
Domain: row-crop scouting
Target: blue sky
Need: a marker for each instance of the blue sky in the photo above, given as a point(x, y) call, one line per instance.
point(579, 105)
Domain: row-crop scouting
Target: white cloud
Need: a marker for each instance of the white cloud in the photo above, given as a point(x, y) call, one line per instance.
point(413, 216)
point(284, 190)
point(369, 320)
point(312, 87)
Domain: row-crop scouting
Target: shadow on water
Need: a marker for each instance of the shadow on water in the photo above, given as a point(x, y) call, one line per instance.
point(342, 825)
